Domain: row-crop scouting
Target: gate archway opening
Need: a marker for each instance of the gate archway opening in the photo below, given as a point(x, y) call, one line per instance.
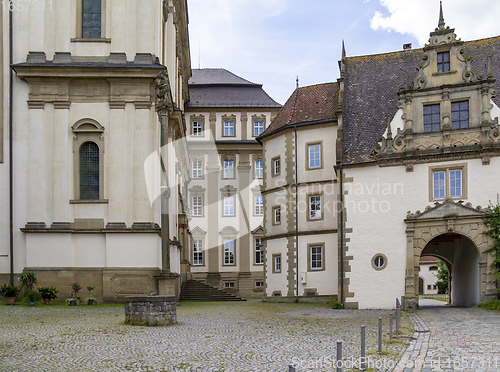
point(462, 259)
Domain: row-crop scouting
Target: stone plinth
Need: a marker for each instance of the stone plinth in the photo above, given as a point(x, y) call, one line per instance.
point(151, 310)
point(168, 284)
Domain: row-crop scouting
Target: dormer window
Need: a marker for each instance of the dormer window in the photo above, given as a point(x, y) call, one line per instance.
point(432, 118)
point(443, 61)
point(460, 114)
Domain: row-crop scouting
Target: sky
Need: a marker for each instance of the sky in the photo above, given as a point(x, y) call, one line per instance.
point(271, 42)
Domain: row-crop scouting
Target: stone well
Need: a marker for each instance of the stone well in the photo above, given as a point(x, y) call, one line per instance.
point(151, 310)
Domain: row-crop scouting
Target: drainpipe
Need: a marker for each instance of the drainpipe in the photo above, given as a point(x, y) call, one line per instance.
point(11, 162)
point(296, 222)
point(341, 236)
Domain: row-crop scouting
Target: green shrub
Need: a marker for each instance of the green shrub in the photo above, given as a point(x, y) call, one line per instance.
point(31, 295)
point(8, 290)
point(28, 280)
point(48, 292)
point(336, 305)
point(491, 305)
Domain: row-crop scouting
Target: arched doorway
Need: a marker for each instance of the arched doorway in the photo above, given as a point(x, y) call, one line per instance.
point(453, 231)
point(462, 258)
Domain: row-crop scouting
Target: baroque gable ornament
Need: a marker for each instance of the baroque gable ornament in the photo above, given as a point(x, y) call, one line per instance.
point(442, 34)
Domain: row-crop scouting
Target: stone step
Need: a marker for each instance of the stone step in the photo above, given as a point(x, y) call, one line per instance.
point(197, 291)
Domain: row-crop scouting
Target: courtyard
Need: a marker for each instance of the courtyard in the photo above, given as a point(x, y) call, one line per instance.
point(230, 336)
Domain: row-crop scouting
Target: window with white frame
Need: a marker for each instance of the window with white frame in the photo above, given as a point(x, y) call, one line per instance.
point(316, 257)
point(314, 156)
point(197, 128)
point(315, 207)
point(197, 252)
point(259, 284)
point(276, 215)
point(197, 206)
point(228, 205)
point(259, 205)
point(276, 166)
point(228, 251)
point(258, 128)
point(228, 168)
point(259, 168)
point(448, 183)
point(276, 263)
point(197, 169)
point(229, 285)
point(228, 128)
point(259, 251)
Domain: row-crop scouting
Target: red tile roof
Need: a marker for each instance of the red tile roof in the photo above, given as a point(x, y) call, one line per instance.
point(306, 105)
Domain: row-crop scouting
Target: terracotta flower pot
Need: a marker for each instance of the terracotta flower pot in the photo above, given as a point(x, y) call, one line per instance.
point(46, 301)
point(10, 300)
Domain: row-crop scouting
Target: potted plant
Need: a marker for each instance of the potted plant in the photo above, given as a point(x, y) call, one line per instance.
point(48, 294)
point(90, 300)
point(28, 280)
point(74, 299)
point(31, 296)
point(10, 293)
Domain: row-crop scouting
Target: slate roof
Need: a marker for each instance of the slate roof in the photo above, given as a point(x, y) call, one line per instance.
point(218, 87)
point(306, 104)
point(371, 85)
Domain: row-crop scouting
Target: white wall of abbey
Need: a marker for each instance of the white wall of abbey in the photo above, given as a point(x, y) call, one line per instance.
point(276, 282)
point(377, 202)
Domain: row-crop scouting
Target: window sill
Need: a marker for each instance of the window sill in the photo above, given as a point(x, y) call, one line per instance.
point(99, 201)
point(90, 40)
point(444, 73)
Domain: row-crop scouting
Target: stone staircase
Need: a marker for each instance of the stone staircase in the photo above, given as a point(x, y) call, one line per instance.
point(195, 290)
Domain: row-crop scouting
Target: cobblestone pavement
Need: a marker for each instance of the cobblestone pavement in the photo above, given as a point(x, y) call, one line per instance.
point(461, 339)
point(248, 336)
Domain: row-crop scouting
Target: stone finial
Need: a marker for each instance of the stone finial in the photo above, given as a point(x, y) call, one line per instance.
point(389, 130)
point(343, 50)
point(490, 71)
point(441, 18)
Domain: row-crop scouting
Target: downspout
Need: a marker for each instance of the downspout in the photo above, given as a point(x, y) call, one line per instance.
point(11, 162)
point(296, 222)
point(341, 235)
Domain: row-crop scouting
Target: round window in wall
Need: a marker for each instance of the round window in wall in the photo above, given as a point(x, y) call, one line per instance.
point(379, 261)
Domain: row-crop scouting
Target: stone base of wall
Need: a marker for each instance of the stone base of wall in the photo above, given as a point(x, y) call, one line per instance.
point(244, 283)
point(307, 299)
point(151, 310)
point(111, 284)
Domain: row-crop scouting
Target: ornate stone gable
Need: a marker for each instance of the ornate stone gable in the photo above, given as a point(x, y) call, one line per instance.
point(448, 209)
point(435, 126)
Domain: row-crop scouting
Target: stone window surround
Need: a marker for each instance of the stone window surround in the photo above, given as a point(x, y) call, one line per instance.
point(202, 251)
point(273, 174)
point(309, 253)
point(228, 191)
point(373, 261)
point(254, 159)
point(198, 158)
point(274, 256)
point(198, 234)
point(79, 26)
point(255, 237)
point(228, 157)
point(320, 143)
point(446, 169)
point(197, 191)
point(87, 130)
point(468, 111)
point(274, 216)
point(318, 193)
point(228, 118)
point(198, 118)
point(261, 118)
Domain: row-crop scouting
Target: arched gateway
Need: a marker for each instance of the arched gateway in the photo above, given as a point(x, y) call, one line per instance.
point(453, 232)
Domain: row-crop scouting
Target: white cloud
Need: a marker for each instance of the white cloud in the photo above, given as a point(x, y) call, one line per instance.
point(471, 20)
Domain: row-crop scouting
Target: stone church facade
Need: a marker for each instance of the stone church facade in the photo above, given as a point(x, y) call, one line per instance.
point(416, 166)
point(96, 88)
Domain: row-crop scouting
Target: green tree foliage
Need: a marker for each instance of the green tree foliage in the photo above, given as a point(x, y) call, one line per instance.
point(492, 221)
point(442, 277)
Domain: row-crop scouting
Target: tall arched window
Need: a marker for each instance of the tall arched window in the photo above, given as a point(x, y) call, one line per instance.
point(89, 171)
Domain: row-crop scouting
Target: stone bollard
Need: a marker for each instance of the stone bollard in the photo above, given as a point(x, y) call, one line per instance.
point(151, 310)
